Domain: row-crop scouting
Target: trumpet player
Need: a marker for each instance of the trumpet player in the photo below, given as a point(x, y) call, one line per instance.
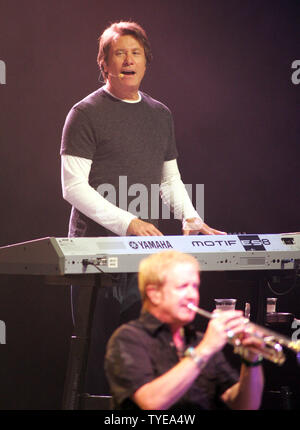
point(158, 362)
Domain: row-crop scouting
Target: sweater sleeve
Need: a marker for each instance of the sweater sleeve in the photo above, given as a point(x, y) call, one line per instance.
point(77, 191)
point(174, 193)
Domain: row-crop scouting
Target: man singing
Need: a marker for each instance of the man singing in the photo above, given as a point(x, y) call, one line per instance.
point(118, 133)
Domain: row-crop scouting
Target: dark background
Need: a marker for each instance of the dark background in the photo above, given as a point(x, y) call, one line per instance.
point(222, 67)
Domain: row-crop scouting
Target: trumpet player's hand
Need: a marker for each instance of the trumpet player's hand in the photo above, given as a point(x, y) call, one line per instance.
point(223, 325)
point(253, 345)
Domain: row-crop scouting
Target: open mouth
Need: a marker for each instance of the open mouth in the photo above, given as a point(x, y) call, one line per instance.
point(128, 72)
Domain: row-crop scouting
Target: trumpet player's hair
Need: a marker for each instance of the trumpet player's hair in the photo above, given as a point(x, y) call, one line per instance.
point(153, 269)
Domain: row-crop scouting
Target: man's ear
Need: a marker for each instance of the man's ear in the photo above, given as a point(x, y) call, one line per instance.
point(153, 292)
point(103, 67)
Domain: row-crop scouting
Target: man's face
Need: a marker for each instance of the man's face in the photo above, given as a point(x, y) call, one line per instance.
point(126, 56)
point(180, 288)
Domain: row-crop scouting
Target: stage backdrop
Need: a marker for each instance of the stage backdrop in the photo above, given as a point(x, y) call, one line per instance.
point(230, 73)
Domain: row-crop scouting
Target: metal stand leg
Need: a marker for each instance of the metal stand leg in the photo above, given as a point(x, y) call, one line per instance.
point(79, 347)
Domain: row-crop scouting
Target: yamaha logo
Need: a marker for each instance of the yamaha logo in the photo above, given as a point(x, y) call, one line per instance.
point(150, 244)
point(133, 245)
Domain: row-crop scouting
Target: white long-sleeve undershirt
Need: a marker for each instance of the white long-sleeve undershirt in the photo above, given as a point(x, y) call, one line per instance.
point(77, 191)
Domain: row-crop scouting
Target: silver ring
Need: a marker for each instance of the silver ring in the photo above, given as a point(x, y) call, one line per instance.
point(230, 334)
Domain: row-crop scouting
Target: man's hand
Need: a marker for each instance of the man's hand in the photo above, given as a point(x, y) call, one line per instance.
point(218, 329)
point(137, 227)
point(192, 226)
point(252, 343)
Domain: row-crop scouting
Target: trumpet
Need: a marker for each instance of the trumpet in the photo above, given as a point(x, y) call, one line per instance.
point(271, 343)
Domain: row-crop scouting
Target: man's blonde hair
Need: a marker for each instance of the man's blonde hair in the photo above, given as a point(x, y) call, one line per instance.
point(153, 269)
